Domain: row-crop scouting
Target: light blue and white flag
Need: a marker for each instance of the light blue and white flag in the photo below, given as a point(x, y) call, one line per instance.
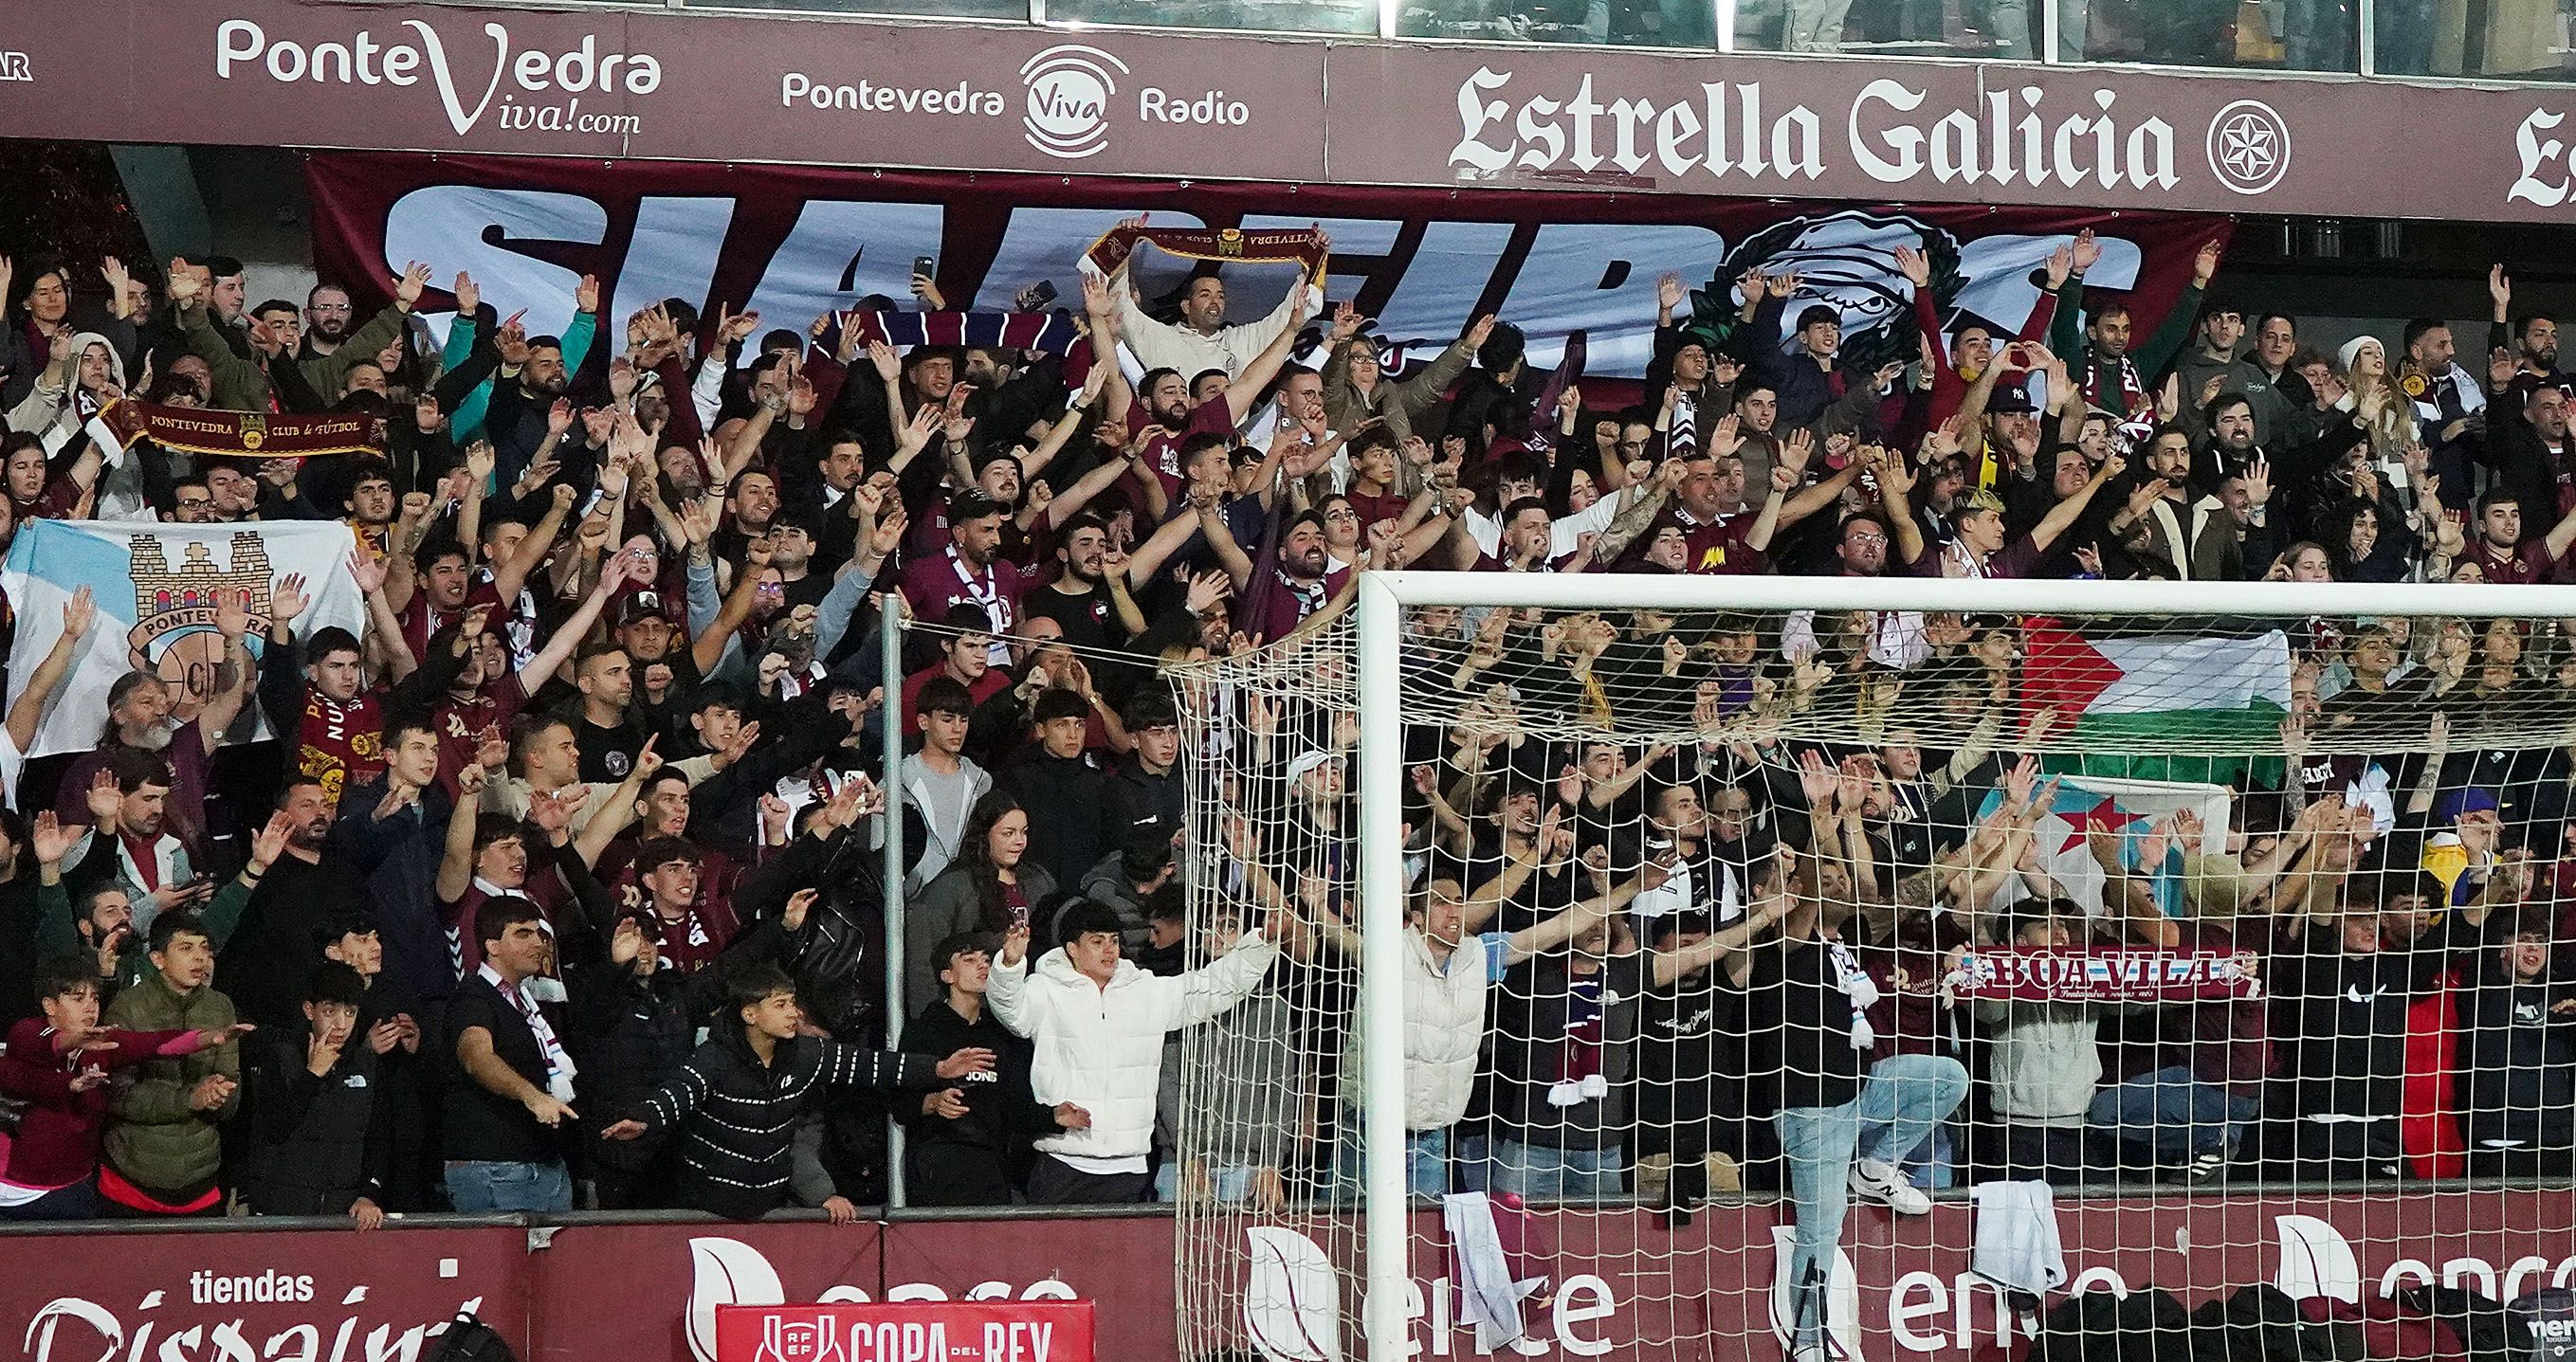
point(156, 586)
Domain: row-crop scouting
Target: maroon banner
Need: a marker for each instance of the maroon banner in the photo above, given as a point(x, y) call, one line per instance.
point(1626, 1286)
point(2099, 974)
point(246, 434)
point(944, 1331)
point(795, 243)
point(680, 84)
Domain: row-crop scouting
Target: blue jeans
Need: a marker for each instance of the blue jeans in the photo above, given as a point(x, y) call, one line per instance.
point(1530, 1170)
point(1229, 1183)
point(1426, 1160)
point(477, 1185)
point(2170, 1113)
point(1902, 1099)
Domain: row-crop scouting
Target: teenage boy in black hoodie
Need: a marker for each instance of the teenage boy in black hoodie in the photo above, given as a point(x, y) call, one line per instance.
point(321, 1135)
point(970, 1142)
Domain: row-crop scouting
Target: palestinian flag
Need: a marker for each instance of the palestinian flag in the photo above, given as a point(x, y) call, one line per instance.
point(2158, 707)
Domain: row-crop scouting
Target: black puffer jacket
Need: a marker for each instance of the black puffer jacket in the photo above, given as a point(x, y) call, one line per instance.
point(736, 1118)
point(319, 1144)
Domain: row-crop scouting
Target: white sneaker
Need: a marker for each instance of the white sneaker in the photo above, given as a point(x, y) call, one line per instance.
point(1881, 1183)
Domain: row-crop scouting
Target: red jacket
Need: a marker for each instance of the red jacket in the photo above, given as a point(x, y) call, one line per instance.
point(57, 1140)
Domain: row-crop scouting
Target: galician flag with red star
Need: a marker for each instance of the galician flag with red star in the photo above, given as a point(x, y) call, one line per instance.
point(2130, 810)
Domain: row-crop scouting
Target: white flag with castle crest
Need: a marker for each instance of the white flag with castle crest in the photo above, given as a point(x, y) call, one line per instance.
point(156, 586)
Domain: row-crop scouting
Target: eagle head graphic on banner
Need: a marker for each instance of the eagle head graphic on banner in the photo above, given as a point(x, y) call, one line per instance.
point(1846, 261)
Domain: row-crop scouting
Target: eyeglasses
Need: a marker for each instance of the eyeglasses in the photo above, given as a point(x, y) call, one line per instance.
point(1867, 538)
point(194, 503)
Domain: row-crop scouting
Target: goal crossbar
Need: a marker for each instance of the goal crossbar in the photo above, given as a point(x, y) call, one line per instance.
point(1385, 596)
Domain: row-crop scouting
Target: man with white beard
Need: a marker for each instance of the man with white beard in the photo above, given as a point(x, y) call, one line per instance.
point(146, 714)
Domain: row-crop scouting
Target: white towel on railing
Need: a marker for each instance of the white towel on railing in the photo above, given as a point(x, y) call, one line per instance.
point(1487, 1296)
point(2017, 1246)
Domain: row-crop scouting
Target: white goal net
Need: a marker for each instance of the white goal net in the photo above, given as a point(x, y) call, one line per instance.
point(1885, 983)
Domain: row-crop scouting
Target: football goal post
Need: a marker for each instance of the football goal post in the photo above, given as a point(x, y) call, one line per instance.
point(1689, 967)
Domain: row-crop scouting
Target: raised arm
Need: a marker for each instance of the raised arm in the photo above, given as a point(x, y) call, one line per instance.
point(2062, 516)
point(1555, 931)
point(1247, 386)
point(28, 710)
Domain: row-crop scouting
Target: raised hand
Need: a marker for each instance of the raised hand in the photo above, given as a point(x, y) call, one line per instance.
point(104, 799)
point(79, 613)
point(49, 839)
point(1915, 266)
point(469, 295)
point(269, 842)
point(185, 281)
point(2085, 250)
point(407, 289)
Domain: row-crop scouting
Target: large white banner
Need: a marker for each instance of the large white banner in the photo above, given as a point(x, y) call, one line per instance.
point(156, 588)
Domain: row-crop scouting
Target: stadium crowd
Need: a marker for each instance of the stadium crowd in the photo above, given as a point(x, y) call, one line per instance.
point(597, 778)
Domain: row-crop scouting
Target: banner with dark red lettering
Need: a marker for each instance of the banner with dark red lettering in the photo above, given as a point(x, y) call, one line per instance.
point(796, 242)
point(2101, 974)
point(914, 1331)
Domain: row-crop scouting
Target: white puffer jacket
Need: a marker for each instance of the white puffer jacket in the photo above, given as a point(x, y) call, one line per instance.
point(1102, 1048)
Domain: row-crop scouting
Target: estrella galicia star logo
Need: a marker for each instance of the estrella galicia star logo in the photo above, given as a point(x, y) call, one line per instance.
point(2249, 146)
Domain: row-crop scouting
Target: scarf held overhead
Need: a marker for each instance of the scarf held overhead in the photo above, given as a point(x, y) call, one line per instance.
point(2106, 974)
point(1223, 245)
point(249, 434)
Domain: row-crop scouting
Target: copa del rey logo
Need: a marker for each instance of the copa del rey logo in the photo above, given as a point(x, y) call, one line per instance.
point(730, 1272)
point(1892, 132)
point(536, 88)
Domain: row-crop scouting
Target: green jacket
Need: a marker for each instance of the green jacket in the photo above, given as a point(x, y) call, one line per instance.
point(327, 372)
point(2150, 356)
point(153, 1139)
point(240, 385)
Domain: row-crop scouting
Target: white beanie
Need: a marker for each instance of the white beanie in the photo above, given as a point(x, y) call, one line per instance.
point(2352, 350)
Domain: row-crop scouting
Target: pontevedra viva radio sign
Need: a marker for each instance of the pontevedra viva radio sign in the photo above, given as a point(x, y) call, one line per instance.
point(686, 85)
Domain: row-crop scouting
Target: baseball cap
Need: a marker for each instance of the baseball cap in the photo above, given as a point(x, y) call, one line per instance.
point(641, 605)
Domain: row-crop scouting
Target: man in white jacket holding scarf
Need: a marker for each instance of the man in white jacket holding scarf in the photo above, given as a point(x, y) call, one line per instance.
point(1098, 1024)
